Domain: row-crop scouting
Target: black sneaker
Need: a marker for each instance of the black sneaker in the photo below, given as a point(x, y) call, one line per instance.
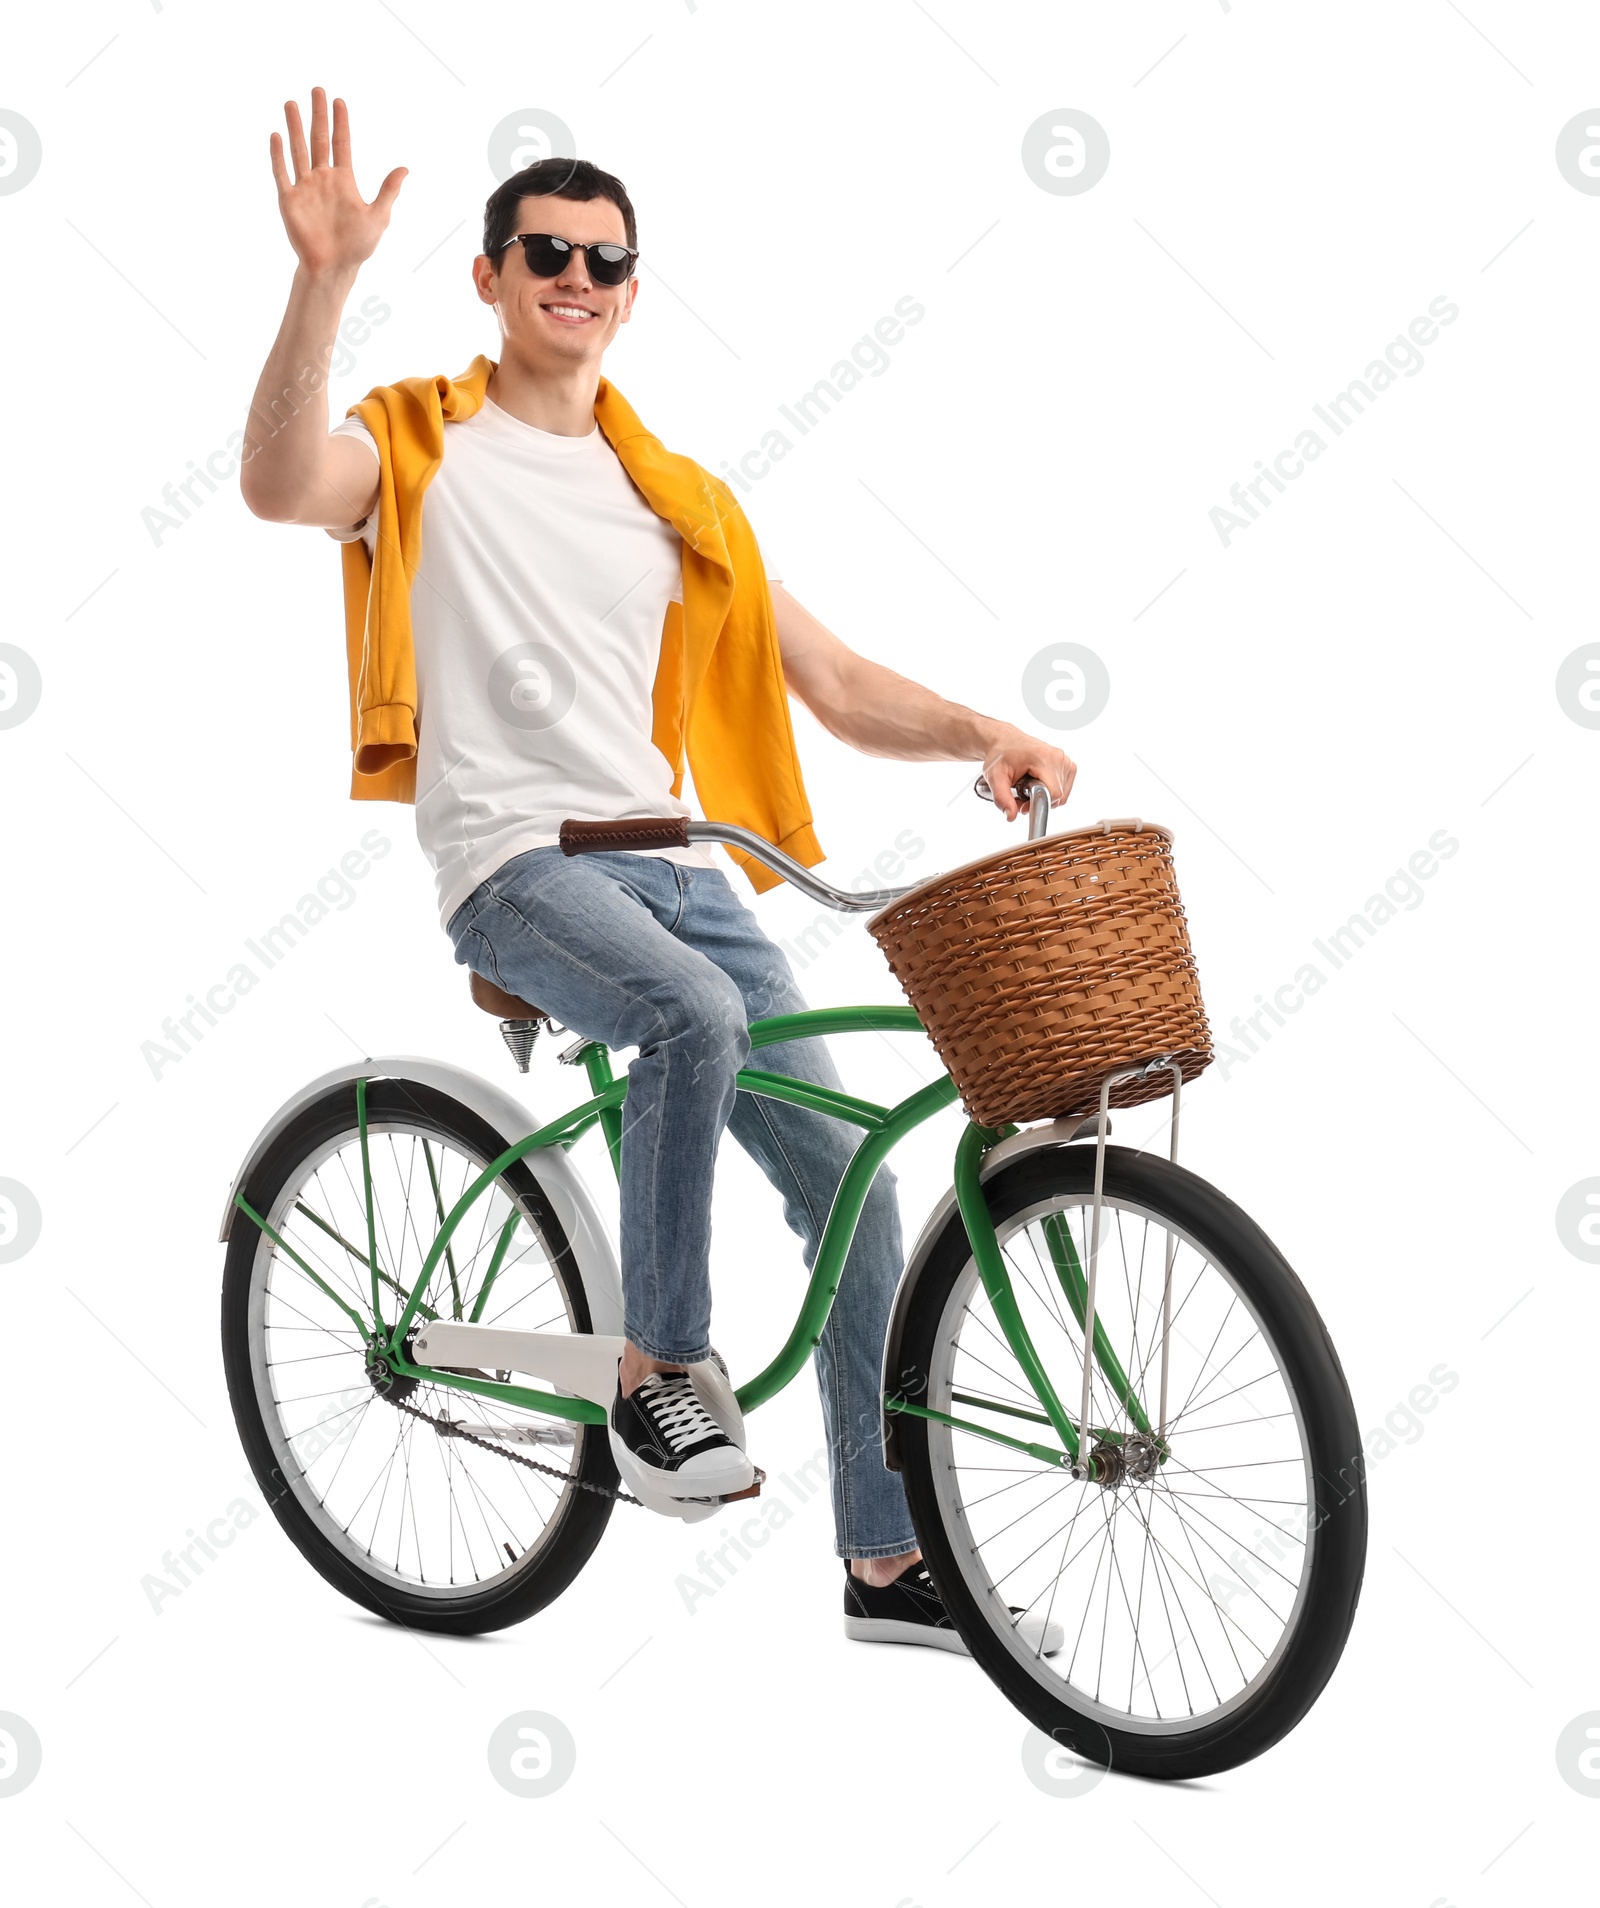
point(910, 1610)
point(664, 1440)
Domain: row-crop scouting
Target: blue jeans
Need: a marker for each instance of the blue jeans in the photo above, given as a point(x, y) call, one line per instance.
point(637, 951)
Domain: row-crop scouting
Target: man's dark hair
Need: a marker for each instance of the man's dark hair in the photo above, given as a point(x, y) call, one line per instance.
point(551, 178)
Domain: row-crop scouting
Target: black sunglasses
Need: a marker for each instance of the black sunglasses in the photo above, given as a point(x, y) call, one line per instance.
point(549, 256)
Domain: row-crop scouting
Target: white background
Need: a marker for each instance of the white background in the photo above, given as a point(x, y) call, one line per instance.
point(1374, 660)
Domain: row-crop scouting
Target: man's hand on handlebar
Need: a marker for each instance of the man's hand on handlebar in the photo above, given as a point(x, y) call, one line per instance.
point(1013, 753)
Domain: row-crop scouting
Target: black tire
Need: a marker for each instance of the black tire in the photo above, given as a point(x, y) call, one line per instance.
point(574, 1527)
point(1310, 1370)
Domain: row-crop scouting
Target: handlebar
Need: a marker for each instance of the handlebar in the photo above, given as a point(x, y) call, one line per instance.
point(678, 831)
point(1031, 790)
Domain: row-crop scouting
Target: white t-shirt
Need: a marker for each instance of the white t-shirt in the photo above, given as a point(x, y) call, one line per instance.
point(536, 614)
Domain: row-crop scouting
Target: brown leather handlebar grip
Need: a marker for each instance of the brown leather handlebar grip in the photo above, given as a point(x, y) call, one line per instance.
point(648, 831)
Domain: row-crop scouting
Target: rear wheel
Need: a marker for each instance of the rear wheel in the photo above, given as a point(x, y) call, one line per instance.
point(426, 1528)
point(1203, 1598)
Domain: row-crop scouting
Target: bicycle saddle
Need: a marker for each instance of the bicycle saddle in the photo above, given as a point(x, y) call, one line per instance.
point(495, 1000)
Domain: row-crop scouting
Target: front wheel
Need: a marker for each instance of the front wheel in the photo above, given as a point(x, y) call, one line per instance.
point(1198, 1598)
point(432, 1529)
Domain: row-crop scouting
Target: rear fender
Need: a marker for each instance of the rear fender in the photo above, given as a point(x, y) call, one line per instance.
point(558, 1177)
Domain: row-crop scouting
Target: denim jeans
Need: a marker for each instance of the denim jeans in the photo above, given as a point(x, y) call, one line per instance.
point(638, 951)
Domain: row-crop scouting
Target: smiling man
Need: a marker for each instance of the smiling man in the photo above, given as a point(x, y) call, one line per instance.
point(546, 612)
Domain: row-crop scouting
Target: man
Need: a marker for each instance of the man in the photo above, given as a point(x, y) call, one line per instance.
point(574, 608)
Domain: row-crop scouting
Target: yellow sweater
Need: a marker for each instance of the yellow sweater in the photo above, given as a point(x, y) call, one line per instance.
point(719, 691)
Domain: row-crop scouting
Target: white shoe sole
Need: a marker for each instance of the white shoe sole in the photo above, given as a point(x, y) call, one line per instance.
point(898, 1630)
point(733, 1472)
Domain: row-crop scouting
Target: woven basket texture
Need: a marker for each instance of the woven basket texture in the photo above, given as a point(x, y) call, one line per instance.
point(1039, 970)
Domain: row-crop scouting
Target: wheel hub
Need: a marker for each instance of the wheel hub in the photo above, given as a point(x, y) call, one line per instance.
point(1141, 1458)
point(1134, 1461)
point(389, 1384)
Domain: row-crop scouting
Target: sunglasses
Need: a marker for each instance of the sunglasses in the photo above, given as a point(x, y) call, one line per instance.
point(549, 256)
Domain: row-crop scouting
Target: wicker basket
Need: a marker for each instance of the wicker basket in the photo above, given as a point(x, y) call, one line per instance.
point(1039, 970)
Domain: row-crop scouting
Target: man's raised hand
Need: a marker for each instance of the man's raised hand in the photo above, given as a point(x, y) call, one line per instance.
point(330, 225)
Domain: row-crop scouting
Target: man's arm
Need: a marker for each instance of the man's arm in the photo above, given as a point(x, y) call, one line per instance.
point(881, 713)
point(294, 471)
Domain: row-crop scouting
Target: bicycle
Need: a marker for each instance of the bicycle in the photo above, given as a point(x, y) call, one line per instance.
point(1188, 1503)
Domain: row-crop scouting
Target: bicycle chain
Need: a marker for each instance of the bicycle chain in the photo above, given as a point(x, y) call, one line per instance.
point(448, 1428)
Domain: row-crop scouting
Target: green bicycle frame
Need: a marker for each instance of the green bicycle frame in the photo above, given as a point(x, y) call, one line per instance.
point(884, 1128)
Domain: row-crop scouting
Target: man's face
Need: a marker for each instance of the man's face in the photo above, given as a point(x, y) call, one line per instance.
point(556, 323)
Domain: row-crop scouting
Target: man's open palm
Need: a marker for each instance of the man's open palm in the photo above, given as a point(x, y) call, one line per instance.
point(330, 225)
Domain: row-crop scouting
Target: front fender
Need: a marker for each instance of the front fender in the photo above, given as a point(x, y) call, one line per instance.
point(1032, 1139)
point(555, 1172)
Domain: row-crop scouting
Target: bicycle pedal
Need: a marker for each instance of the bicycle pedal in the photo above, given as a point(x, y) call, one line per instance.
point(750, 1490)
point(733, 1497)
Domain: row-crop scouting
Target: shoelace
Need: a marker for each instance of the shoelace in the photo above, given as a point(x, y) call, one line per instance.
point(674, 1408)
point(919, 1582)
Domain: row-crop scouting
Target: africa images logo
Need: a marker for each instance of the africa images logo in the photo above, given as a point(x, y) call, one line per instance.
point(532, 686)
